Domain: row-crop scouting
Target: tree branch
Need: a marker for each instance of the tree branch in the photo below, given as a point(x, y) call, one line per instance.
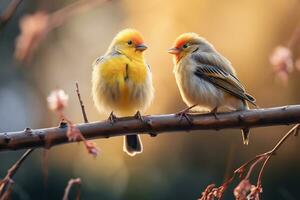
point(48, 137)
point(9, 12)
point(6, 183)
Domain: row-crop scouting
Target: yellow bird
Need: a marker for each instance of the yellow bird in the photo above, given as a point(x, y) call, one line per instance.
point(122, 82)
point(206, 79)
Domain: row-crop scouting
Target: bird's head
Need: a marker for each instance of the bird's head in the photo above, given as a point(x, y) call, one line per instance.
point(129, 42)
point(188, 43)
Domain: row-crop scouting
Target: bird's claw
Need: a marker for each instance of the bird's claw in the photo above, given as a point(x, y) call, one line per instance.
point(184, 114)
point(214, 112)
point(215, 115)
point(112, 118)
point(139, 116)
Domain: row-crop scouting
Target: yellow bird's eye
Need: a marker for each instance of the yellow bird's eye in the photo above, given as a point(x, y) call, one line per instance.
point(129, 42)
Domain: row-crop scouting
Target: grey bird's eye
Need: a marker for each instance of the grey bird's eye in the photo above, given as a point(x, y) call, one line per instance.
point(185, 46)
point(129, 42)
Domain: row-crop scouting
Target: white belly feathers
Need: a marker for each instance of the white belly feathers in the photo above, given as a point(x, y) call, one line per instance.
point(195, 90)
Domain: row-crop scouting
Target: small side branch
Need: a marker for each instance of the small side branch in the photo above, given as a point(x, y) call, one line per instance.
point(85, 119)
point(7, 182)
point(9, 12)
point(48, 137)
point(71, 183)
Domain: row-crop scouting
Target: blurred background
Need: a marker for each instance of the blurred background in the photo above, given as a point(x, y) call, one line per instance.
point(173, 166)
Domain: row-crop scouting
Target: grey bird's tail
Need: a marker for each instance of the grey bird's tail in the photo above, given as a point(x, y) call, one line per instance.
point(132, 145)
point(246, 131)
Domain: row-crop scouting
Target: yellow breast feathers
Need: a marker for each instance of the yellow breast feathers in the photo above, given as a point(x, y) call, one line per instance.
point(120, 81)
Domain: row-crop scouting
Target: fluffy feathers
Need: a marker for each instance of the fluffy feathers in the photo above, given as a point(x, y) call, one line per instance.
point(206, 78)
point(122, 81)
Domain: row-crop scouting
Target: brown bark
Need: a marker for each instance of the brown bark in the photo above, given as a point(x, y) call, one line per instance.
point(154, 124)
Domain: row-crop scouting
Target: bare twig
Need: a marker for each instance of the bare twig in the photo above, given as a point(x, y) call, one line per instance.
point(245, 186)
point(81, 104)
point(59, 17)
point(36, 26)
point(155, 124)
point(71, 183)
point(6, 183)
point(57, 101)
point(273, 151)
point(9, 12)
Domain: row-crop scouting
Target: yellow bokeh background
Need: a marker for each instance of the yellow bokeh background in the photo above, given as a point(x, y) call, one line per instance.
point(246, 32)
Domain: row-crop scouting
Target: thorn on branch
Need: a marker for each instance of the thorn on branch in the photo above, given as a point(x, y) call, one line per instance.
point(57, 101)
point(28, 131)
point(63, 124)
point(161, 123)
point(6, 138)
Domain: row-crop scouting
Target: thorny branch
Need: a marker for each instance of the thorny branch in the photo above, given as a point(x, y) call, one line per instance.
point(57, 101)
point(7, 182)
point(48, 137)
point(245, 190)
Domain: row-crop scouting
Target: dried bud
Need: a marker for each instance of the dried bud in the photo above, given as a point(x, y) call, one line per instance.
point(33, 29)
point(73, 133)
point(211, 192)
point(92, 149)
point(254, 193)
point(282, 61)
point(57, 100)
point(243, 190)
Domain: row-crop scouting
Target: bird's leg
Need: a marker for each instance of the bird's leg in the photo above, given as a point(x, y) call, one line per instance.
point(112, 117)
point(139, 116)
point(184, 113)
point(214, 112)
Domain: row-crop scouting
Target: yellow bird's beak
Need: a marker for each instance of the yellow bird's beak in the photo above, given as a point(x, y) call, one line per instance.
point(141, 47)
point(174, 51)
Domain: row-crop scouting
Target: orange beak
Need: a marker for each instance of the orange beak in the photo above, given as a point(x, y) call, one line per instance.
point(174, 51)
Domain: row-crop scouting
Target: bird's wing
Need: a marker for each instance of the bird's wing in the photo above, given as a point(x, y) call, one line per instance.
point(102, 59)
point(223, 80)
point(98, 60)
point(214, 59)
point(149, 67)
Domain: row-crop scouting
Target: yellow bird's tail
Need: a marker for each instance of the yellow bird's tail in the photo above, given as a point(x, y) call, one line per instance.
point(132, 145)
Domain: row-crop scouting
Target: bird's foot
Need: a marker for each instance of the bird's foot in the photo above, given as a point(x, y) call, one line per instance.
point(139, 116)
point(184, 114)
point(214, 112)
point(112, 118)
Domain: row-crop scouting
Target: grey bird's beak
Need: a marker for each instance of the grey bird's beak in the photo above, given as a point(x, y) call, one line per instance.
point(174, 50)
point(141, 47)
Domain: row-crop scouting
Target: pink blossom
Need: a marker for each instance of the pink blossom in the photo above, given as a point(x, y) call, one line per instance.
point(57, 100)
point(282, 62)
